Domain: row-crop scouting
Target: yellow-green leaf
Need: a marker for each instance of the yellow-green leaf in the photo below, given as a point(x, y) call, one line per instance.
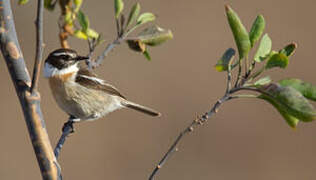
point(154, 35)
point(277, 60)
point(256, 29)
point(92, 33)
point(308, 90)
point(292, 100)
point(133, 15)
point(225, 61)
point(49, 4)
point(81, 35)
point(78, 4)
point(291, 120)
point(264, 49)
point(263, 81)
point(145, 18)
point(147, 55)
point(118, 7)
point(83, 21)
point(239, 31)
point(22, 2)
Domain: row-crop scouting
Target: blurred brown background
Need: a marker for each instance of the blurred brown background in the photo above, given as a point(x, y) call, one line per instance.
point(247, 139)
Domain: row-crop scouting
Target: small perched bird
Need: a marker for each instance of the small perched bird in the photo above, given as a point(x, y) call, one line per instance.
point(79, 92)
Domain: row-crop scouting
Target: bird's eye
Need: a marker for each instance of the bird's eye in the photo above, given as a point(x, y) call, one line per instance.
point(66, 57)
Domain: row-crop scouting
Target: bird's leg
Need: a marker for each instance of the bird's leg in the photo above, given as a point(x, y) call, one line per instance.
point(67, 130)
point(68, 127)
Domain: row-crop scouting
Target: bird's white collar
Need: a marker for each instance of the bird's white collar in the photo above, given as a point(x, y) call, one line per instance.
point(50, 70)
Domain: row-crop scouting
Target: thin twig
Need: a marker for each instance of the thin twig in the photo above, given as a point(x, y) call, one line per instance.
point(66, 131)
point(108, 49)
point(239, 73)
point(118, 29)
point(229, 78)
point(39, 45)
point(199, 121)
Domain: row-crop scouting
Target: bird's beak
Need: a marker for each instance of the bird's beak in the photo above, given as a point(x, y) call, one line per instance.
point(81, 58)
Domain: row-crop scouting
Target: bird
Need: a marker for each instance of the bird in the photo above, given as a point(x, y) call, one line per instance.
point(79, 92)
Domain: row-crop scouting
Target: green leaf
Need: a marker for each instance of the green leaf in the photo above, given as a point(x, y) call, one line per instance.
point(145, 18)
point(92, 33)
point(308, 90)
point(154, 35)
point(256, 29)
point(68, 18)
point(225, 61)
point(277, 60)
point(22, 2)
point(133, 14)
point(291, 120)
point(78, 4)
point(147, 55)
point(292, 100)
point(264, 48)
point(118, 7)
point(81, 35)
point(289, 49)
point(49, 4)
point(263, 81)
point(83, 21)
point(239, 31)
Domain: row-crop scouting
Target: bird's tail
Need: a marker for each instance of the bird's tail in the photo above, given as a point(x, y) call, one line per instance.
point(140, 108)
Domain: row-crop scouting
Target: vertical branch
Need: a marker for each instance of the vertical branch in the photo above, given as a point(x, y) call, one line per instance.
point(30, 104)
point(39, 45)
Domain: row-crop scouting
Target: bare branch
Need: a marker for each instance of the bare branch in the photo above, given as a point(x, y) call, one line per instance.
point(107, 50)
point(39, 45)
point(30, 103)
point(198, 121)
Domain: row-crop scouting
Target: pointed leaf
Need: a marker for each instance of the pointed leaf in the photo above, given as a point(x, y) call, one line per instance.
point(49, 4)
point(289, 49)
point(118, 7)
point(291, 120)
point(133, 15)
point(78, 4)
point(256, 29)
point(22, 2)
point(147, 55)
point(154, 35)
point(239, 31)
point(145, 18)
point(68, 18)
point(277, 60)
point(225, 61)
point(83, 21)
point(81, 35)
point(263, 81)
point(292, 100)
point(264, 49)
point(92, 33)
point(308, 90)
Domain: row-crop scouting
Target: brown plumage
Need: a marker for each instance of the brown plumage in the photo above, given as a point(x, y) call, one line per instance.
point(79, 92)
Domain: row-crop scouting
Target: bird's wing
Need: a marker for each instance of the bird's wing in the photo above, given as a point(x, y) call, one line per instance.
point(88, 79)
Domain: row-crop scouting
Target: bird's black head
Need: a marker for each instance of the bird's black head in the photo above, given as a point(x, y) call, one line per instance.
point(63, 58)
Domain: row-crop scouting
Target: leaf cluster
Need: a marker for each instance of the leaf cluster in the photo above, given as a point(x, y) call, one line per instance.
point(289, 96)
